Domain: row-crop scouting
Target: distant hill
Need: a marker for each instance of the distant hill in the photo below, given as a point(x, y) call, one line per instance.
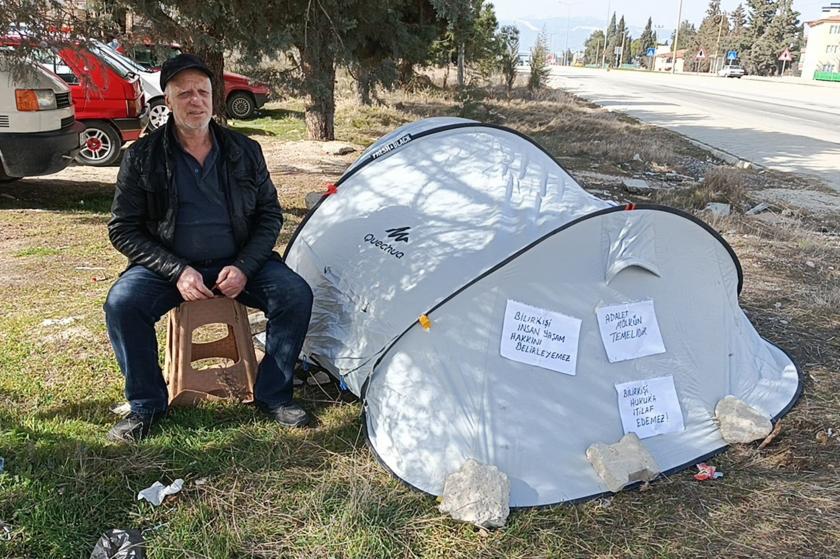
point(580, 28)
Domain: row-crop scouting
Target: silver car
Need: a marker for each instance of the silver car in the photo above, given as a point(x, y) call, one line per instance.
point(731, 71)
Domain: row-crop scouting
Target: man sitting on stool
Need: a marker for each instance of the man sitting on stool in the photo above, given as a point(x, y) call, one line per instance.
point(195, 211)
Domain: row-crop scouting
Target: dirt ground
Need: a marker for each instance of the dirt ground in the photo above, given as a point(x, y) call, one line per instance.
point(267, 493)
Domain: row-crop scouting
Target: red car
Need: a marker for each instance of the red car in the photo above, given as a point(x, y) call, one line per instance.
point(108, 101)
point(243, 95)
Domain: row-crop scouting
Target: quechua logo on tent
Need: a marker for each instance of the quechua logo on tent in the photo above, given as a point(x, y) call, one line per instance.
point(395, 235)
point(399, 234)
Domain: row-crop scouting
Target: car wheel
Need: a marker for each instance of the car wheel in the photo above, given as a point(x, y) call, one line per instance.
point(101, 144)
point(241, 105)
point(158, 114)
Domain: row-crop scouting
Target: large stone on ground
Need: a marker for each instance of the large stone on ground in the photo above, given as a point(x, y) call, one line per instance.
point(620, 464)
point(337, 148)
point(637, 186)
point(478, 494)
point(718, 208)
point(740, 422)
point(312, 198)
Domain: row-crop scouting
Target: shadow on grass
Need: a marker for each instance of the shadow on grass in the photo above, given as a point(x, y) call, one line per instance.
point(281, 123)
point(57, 195)
point(280, 114)
point(65, 484)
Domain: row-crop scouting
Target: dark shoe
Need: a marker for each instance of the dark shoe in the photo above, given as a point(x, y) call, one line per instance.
point(289, 415)
point(131, 429)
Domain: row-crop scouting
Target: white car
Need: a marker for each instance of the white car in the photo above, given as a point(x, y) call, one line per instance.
point(731, 71)
point(158, 111)
point(39, 134)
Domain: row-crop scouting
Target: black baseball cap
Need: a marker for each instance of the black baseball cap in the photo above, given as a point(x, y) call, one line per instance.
point(183, 61)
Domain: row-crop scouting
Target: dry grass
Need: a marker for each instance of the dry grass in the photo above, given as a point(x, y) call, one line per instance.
point(254, 490)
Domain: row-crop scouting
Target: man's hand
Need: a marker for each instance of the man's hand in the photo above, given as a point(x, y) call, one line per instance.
point(231, 281)
point(191, 285)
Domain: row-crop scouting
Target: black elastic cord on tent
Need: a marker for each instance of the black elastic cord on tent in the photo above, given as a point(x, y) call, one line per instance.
point(370, 158)
point(518, 253)
point(628, 207)
point(665, 474)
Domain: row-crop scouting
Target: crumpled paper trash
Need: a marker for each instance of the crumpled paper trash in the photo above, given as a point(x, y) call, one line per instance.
point(158, 491)
point(707, 471)
point(120, 544)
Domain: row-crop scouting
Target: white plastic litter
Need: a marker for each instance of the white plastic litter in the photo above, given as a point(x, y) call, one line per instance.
point(60, 321)
point(121, 409)
point(158, 491)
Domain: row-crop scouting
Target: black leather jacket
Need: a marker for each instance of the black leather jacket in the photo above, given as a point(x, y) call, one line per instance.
point(145, 207)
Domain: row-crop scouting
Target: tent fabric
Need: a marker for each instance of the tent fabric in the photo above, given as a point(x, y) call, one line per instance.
point(453, 219)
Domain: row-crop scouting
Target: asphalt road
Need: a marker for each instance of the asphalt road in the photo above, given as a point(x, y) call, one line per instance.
point(786, 126)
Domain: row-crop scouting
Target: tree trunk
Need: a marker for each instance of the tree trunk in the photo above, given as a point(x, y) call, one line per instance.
point(363, 85)
point(215, 60)
point(406, 72)
point(445, 76)
point(318, 67)
point(461, 66)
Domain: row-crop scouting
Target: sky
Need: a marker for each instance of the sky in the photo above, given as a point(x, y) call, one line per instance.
point(636, 12)
point(584, 16)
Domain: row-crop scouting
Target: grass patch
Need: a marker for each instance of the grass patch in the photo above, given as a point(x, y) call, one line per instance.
point(275, 121)
point(255, 490)
point(37, 251)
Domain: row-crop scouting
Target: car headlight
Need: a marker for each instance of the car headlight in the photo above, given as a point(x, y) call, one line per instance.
point(35, 99)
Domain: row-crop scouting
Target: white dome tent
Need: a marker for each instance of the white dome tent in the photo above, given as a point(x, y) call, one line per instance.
point(485, 306)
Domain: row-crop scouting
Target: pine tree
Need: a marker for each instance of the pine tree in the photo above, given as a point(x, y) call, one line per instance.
point(509, 58)
point(617, 39)
point(648, 37)
point(737, 38)
point(782, 33)
point(610, 46)
point(539, 64)
point(593, 47)
point(738, 19)
point(713, 29)
point(622, 41)
point(687, 33)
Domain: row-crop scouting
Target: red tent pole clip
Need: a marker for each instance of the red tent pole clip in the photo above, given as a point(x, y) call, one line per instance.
point(630, 207)
point(331, 189)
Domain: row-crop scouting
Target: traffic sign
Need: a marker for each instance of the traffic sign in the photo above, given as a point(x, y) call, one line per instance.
point(732, 55)
point(701, 55)
point(651, 51)
point(617, 51)
point(786, 56)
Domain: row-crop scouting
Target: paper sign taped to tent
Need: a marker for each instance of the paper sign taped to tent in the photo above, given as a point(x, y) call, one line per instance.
point(649, 407)
point(630, 331)
point(540, 337)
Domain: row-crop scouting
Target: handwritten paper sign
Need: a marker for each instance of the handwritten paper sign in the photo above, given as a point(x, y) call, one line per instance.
point(540, 337)
point(630, 331)
point(649, 407)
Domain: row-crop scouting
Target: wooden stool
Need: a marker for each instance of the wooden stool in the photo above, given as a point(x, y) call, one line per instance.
point(187, 385)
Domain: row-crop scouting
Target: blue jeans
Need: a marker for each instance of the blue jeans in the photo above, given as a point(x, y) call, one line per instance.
point(140, 297)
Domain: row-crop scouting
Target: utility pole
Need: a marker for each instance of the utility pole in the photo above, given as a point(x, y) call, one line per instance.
point(606, 39)
point(677, 40)
point(568, 25)
point(717, 46)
